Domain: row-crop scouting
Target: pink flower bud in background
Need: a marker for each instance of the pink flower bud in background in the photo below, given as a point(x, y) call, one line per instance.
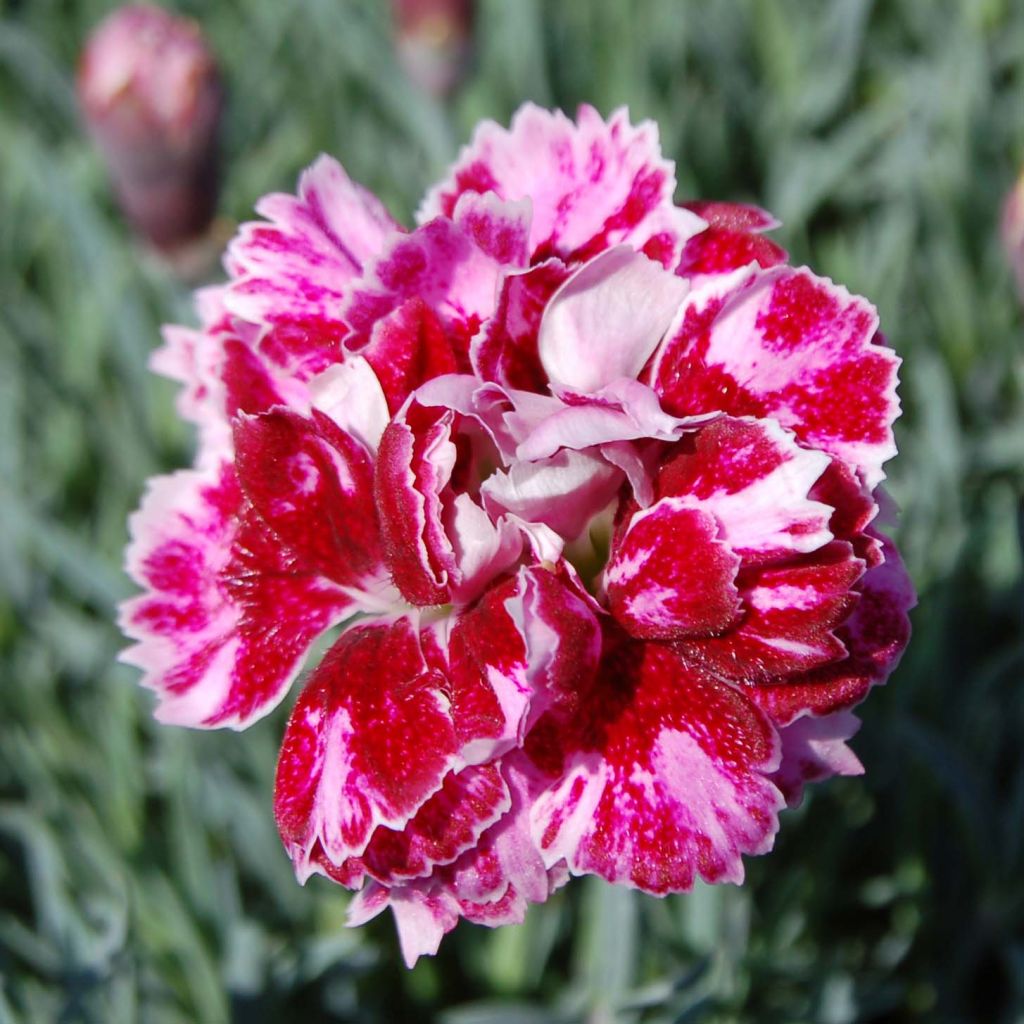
point(1012, 231)
point(433, 39)
point(151, 94)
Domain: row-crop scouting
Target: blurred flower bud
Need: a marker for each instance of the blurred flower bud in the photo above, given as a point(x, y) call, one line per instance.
point(1012, 230)
point(151, 94)
point(433, 39)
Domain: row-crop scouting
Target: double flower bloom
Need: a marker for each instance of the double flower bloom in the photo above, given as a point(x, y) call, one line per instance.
point(593, 480)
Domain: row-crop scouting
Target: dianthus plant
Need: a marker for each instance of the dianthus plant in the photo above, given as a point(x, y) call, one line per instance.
point(585, 483)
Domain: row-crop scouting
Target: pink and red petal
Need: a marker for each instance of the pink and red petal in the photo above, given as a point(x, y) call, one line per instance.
point(449, 823)
point(875, 635)
point(669, 576)
point(593, 184)
point(295, 268)
point(312, 484)
point(786, 344)
point(407, 348)
point(789, 621)
point(660, 777)
point(440, 543)
point(228, 614)
point(414, 465)
point(444, 264)
point(369, 741)
point(756, 481)
point(506, 349)
point(731, 240)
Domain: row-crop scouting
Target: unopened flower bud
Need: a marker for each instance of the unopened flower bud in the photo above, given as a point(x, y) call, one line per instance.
point(1012, 230)
point(151, 94)
point(433, 39)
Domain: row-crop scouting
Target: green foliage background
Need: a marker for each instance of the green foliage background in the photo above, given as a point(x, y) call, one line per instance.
point(141, 878)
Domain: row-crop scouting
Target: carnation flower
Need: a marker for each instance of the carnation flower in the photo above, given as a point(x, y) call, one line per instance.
point(589, 480)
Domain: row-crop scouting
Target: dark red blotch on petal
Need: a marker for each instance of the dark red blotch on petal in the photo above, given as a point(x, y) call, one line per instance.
point(407, 348)
point(312, 484)
point(731, 240)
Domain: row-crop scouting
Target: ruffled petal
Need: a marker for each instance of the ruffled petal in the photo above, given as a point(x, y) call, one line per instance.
point(786, 344)
point(370, 740)
point(625, 410)
point(506, 349)
point(449, 823)
point(790, 617)
point(492, 883)
point(661, 776)
point(440, 543)
point(754, 478)
point(294, 268)
point(454, 266)
point(593, 184)
point(229, 613)
point(875, 636)
point(385, 720)
point(414, 465)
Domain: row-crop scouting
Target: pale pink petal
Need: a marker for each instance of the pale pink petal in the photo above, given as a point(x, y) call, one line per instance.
point(564, 492)
point(483, 547)
point(194, 358)
point(295, 267)
point(593, 184)
point(423, 915)
point(489, 405)
point(790, 345)
point(814, 749)
point(604, 322)
point(622, 411)
point(754, 478)
point(669, 577)
point(350, 393)
point(229, 613)
point(662, 775)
